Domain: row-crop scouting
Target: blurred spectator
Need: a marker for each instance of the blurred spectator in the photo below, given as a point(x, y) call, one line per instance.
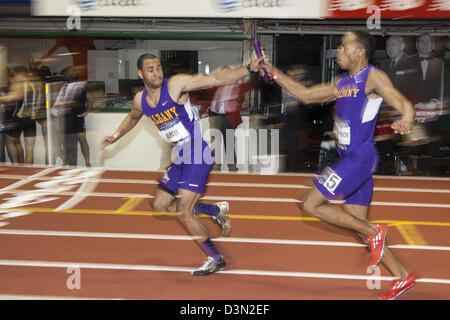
point(427, 90)
point(427, 97)
point(420, 78)
point(71, 106)
point(27, 112)
point(400, 68)
point(39, 111)
point(12, 101)
point(226, 103)
point(296, 118)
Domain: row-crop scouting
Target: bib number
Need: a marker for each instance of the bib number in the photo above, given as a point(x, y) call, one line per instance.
point(343, 133)
point(173, 131)
point(330, 179)
point(332, 182)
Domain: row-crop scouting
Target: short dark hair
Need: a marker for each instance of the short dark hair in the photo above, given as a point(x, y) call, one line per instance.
point(367, 41)
point(145, 56)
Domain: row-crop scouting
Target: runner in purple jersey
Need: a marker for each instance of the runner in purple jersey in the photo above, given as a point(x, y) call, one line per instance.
point(165, 102)
point(358, 94)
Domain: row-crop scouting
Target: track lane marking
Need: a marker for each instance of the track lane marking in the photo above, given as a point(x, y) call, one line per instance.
point(233, 216)
point(83, 234)
point(245, 199)
point(238, 184)
point(26, 179)
point(267, 273)
point(411, 234)
point(130, 204)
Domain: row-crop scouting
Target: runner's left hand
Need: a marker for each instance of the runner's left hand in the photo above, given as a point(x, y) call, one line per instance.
point(402, 126)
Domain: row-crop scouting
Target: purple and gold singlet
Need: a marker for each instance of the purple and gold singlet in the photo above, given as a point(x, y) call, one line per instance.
point(350, 177)
point(356, 114)
point(178, 124)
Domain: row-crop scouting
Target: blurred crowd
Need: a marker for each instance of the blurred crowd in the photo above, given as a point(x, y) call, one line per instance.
point(23, 105)
point(308, 129)
point(59, 103)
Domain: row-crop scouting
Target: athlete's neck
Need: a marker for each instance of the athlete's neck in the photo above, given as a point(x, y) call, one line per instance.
point(153, 95)
point(354, 70)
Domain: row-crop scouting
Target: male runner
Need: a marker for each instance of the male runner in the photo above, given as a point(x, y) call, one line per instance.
point(165, 102)
point(358, 94)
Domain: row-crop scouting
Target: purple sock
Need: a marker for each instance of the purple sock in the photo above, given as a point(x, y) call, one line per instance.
point(208, 209)
point(210, 250)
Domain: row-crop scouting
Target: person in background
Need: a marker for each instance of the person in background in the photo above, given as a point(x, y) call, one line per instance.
point(294, 115)
point(72, 106)
point(225, 115)
point(11, 101)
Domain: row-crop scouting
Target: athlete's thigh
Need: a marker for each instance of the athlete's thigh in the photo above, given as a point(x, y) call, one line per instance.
point(313, 198)
point(186, 200)
point(162, 200)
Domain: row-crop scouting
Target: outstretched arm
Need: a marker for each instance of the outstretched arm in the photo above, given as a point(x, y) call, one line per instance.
point(380, 83)
point(127, 124)
point(307, 95)
point(182, 83)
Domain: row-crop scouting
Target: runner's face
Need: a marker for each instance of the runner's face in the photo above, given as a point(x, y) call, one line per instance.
point(152, 73)
point(349, 51)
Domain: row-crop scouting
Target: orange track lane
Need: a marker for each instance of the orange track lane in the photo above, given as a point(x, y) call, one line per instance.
point(107, 224)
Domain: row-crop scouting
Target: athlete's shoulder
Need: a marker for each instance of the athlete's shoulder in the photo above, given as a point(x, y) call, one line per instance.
point(378, 81)
point(138, 96)
point(137, 100)
point(177, 79)
point(377, 75)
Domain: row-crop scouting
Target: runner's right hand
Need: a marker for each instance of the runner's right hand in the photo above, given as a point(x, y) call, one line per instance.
point(106, 141)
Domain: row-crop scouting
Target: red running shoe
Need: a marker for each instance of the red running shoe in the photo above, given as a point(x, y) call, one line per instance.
point(376, 244)
point(398, 287)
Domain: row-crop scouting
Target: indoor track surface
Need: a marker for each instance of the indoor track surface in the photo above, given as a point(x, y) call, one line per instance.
point(92, 233)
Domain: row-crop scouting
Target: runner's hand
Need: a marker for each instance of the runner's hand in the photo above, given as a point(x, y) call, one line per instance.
point(402, 126)
point(271, 70)
point(254, 63)
point(106, 141)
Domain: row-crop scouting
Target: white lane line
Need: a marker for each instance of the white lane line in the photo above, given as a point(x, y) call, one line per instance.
point(87, 187)
point(190, 238)
point(411, 178)
point(25, 180)
point(251, 174)
point(96, 194)
point(236, 184)
point(410, 204)
point(245, 199)
point(95, 234)
point(103, 266)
